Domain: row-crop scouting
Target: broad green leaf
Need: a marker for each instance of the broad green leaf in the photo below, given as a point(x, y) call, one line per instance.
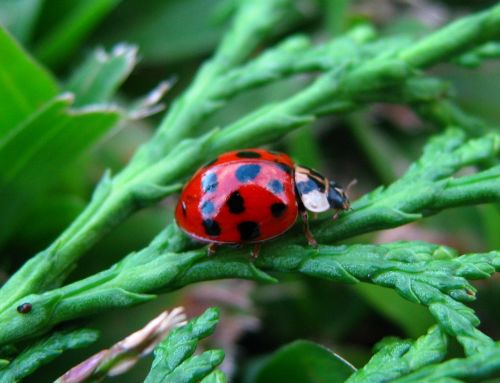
point(19, 17)
point(24, 85)
point(70, 29)
point(101, 74)
point(167, 30)
point(45, 351)
point(35, 153)
point(304, 362)
point(45, 142)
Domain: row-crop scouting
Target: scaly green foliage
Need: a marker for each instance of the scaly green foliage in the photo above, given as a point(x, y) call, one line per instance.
point(355, 69)
point(45, 351)
point(173, 356)
point(167, 157)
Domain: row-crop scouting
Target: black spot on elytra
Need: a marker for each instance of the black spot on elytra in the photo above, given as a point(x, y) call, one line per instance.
point(277, 209)
point(211, 227)
point(305, 187)
point(249, 230)
point(235, 203)
point(248, 154)
point(24, 308)
point(275, 186)
point(287, 169)
point(207, 208)
point(209, 182)
point(247, 172)
point(183, 208)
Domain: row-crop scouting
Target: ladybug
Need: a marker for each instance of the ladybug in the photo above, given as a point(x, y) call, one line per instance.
point(253, 195)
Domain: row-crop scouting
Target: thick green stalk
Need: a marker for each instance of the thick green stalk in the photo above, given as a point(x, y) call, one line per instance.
point(424, 273)
point(453, 39)
point(167, 263)
point(134, 187)
point(44, 351)
point(253, 23)
point(148, 176)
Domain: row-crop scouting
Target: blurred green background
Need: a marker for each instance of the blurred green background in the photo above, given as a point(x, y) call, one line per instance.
point(374, 146)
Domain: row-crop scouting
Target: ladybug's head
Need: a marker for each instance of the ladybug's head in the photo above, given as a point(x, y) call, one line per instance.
point(337, 197)
point(317, 193)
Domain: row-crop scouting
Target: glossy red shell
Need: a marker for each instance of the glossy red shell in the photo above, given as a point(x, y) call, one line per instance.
point(244, 196)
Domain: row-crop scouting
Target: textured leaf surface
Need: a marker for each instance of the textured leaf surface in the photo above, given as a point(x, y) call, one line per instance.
point(399, 358)
point(45, 351)
point(173, 357)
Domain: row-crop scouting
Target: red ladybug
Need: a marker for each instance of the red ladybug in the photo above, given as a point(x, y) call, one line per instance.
point(251, 196)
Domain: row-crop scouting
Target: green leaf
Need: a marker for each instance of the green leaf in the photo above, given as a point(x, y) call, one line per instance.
point(19, 17)
point(35, 153)
point(476, 368)
point(96, 80)
point(399, 358)
point(45, 351)
point(216, 376)
point(304, 362)
point(195, 368)
point(71, 29)
point(172, 361)
point(24, 85)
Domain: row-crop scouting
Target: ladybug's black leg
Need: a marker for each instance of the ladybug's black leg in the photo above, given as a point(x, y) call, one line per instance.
point(309, 236)
point(256, 250)
point(336, 215)
point(211, 249)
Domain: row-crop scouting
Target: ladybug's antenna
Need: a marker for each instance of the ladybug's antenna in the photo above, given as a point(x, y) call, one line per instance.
point(350, 185)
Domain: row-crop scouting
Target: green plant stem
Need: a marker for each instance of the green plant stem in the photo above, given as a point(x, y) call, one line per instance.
point(453, 39)
point(147, 178)
point(253, 23)
point(426, 188)
point(477, 367)
point(45, 351)
point(173, 356)
point(423, 273)
point(400, 358)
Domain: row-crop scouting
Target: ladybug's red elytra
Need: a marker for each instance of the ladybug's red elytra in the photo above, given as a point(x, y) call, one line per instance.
point(253, 195)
